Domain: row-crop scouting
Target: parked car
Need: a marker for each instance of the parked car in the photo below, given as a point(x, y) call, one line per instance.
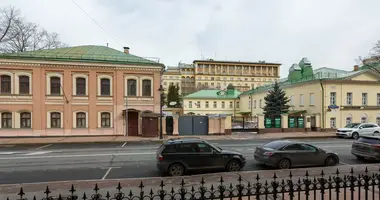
point(366, 147)
point(355, 130)
point(285, 154)
point(178, 156)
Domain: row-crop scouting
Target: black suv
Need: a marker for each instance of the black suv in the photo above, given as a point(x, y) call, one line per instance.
point(178, 156)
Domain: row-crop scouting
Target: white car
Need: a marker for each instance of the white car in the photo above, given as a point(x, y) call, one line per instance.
point(355, 130)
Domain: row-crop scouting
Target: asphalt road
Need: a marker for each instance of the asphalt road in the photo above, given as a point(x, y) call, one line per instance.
point(62, 162)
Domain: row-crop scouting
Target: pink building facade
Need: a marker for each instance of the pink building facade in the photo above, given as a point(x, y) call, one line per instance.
point(82, 90)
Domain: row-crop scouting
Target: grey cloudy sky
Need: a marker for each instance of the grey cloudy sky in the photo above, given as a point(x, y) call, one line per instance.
point(331, 33)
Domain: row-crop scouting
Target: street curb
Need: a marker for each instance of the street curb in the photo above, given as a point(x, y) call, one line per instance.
point(158, 141)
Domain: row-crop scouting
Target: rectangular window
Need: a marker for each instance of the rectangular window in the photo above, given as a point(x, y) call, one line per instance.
point(5, 84)
point(378, 99)
point(291, 101)
point(23, 84)
point(332, 122)
point(332, 98)
point(364, 99)
point(55, 120)
point(55, 86)
point(6, 120)
point(254, 104)
point(198, 104)
point(25, 120)
point(349, 98)
point(231, 104)
point(249, 104)
point(214, 104)
point(206, 105)
point(237, 104)
point(105, 120)
point(311, 100)
point(301, 100)
point(190, 104)
point(81, 120)
point(261, 103)
point(223, 104)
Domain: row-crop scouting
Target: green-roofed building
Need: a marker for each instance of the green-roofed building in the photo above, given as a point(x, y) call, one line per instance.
point(81, 90)
point(328, 99)
point(209, 102)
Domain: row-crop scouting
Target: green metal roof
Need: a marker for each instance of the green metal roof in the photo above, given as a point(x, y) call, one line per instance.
point(213, 94)
point(86, 53)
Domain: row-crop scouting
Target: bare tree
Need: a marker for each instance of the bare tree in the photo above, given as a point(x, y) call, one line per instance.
point(373, 60)
point(21, 35)
point(8, 17)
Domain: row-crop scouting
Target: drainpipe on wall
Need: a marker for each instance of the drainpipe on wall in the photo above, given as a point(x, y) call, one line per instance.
point(323, 105)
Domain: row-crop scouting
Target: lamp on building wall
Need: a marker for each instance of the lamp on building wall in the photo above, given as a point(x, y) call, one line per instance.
point(161, 90)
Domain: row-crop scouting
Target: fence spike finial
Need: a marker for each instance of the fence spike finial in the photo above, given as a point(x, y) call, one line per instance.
point(21, 193)
point(307, 173)
point(72, 190)
point(337, 171)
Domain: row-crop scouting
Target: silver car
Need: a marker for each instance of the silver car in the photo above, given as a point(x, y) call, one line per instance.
point(367, 147)
point(286, 154)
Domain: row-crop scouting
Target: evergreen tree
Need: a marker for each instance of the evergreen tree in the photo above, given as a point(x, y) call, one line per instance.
point(276, 102)
point(173, 96)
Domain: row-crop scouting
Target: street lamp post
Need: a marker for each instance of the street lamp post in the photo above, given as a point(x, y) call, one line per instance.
point(161, 90)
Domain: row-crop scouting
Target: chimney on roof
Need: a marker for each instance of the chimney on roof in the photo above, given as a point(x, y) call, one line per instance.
point(126, 50)
point(356, 68)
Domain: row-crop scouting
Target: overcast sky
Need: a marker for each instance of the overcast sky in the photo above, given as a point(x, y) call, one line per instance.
point(331, 33)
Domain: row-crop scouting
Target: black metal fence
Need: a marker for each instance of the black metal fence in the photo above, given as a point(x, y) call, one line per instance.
point(349, 186)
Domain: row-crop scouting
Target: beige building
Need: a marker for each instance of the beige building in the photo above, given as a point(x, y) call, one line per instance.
point(181, 75)
point(171, 76)
point(242, 75)
point(81, 90)
point(328, 100)
point(211, 102)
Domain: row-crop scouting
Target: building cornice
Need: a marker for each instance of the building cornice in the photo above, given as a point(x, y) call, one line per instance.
point(78, 65)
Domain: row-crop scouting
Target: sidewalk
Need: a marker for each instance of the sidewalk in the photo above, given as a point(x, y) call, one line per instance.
point(134, 139)
point(132, 185)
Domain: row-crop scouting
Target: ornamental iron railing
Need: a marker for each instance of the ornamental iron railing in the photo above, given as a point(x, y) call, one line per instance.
point(351, 186)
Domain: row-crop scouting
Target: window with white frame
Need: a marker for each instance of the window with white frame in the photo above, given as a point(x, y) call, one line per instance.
point(291, 101)
point(311, 100)
point(348, 120)
point(261, 103)
point(237, 104)
point(349, 98)
point(231, 104)
point(364, 99)
point(254, 104)
point(378, 121)
point(363, 120)
point(249, 104)
point(378, 99)
point(332, 122)
point(223, 104)
point(206, 104)
point(198, 104)
point(214, 105)
point(190, 104)
point(332, 98)
point(301, 99)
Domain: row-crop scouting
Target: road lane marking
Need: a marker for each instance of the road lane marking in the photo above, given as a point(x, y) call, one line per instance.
point(7, 153)
point(124, 144)
point(48, 145)
point(38, 153)
point(84, 155)
point(107, 172)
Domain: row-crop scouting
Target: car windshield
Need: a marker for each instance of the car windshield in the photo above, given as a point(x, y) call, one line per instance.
point(214, 146)
point(353, 125)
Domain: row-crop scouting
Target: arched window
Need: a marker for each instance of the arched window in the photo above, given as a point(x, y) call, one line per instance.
point(147, 88)
point(25, 120)
point(24, 84)
point(6, 120)
point(55, 86)
point(132, 87)
point(105, 87)
point(81, 86)
point(363, 120)
point(55, 120)
point(81, 120)
point(5, 84)
point(348, 120)
point(105, 119)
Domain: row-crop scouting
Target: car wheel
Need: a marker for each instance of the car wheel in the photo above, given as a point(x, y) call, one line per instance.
point(233, 166)
point(284, 164)
point(176, 169)
point(355, 135)
point(330, 161)
point(376, 133)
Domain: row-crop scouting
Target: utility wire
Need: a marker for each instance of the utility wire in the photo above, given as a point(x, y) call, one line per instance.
point(105, 31)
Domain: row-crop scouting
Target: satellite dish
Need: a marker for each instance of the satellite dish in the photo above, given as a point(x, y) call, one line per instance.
point(173, 103)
